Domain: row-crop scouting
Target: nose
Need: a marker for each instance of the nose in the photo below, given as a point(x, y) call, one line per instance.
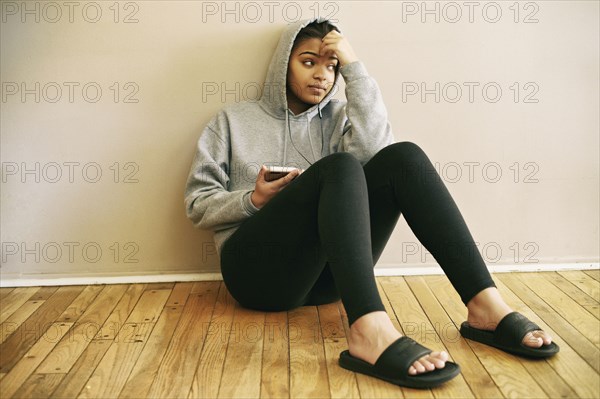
point(320, 72)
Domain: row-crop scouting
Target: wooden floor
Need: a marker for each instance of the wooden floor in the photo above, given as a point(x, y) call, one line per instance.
point(183, 340)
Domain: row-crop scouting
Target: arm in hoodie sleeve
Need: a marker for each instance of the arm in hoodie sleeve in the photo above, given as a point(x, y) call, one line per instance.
point(366, 129)
point(209, 204)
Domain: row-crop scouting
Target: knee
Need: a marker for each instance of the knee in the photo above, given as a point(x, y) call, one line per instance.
point(404, 151)
point(408, 149)
point(340, 158)
point(340, 164)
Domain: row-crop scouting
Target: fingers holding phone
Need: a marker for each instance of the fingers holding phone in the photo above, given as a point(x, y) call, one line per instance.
point(280, 176)
point(277, 172)
point(270, 181)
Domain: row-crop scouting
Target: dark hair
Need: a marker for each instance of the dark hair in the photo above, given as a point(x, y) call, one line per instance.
point(316, 30)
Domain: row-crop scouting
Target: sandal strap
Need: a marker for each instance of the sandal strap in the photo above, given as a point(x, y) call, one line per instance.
point(512, 329)
point(397, 358)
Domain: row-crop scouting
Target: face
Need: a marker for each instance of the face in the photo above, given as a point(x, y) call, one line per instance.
point(310, 76)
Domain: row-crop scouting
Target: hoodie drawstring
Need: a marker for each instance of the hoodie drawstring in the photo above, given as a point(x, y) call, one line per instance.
point(321, 122)
point(309, 138)
point(287, 131)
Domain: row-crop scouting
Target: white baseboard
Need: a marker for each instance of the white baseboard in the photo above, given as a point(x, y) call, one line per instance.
point(59, 280)
point(56, 280)
point(529, 267)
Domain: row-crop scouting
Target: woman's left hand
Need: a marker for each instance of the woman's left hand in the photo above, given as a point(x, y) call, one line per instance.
point(336, 43)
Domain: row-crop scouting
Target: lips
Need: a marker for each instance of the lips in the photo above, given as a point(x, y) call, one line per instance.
point(317, 87)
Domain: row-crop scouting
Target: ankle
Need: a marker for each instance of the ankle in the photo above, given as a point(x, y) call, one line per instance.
point(373, 327)
point(370, 335)
point(488, 298)
point(369, 322)
point(487, 307)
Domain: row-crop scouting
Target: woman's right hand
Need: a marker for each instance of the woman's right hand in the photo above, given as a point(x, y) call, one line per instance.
point(265, 190)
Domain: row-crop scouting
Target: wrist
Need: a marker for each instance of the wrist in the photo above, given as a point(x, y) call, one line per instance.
point(347, 61)
point(256, 201)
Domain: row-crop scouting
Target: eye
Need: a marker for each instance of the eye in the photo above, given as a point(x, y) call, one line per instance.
point(332, 67)
point(308, 62)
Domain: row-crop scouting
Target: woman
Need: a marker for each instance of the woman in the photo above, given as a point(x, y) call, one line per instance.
point(313, 236)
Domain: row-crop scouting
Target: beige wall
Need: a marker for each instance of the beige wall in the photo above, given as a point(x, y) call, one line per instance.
point(92, 183)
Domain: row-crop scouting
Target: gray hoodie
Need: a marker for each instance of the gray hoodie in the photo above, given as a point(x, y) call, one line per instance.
point(243, 136)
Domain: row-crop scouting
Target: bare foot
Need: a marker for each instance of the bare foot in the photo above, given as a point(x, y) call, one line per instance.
point(487, 308)
point(372, 333)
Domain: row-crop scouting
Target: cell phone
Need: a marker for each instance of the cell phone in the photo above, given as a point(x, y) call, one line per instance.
point(277, 172)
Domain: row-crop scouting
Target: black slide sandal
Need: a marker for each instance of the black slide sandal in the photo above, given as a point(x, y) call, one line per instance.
point(394, 362)
point(509, 335)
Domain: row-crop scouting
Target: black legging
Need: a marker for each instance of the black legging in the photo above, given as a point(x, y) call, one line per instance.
point(318, 239)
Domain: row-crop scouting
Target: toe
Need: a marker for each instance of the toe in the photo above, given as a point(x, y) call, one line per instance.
point(429, 363)
point(544, 336)
point(536, 339)
point(438, 359)
point(443, 355)
point(418, 366)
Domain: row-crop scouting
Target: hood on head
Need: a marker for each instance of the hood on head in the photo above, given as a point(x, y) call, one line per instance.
point(273, 97)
